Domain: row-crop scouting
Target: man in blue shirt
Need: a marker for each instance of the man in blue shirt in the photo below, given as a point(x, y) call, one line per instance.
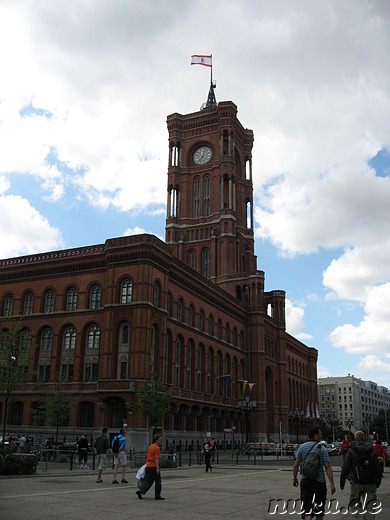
point(313, 491)
point(120, 457)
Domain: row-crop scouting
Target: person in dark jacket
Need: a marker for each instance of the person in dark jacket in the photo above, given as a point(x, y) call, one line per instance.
point(82, 446)
point(101, 446)
point(362, 495)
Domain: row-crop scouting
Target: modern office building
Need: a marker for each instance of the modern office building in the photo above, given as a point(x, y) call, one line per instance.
point(193, 309)
point(352, 401)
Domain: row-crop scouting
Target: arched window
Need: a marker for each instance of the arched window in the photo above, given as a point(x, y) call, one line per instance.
point(8, 305)
point(169, 304)
point(197, 197)
point(168, 365)
point(123, 350)
point(178, 361)
point(201, 320)
point(124, 336)
point(211, 325)
point(25, 339)
point(191, 313)
point(47, 339)
point(28, 303)
point(156, 294)
point(210, 367)
point(227, 333)
point(205, 263)
point(71, 299)
point(94, 297)
point(189, 365)
point(234, 378)
point(218, 372)
point(49, 301)
point(180, 310)
point(199, 368)
point(126, 290)
point(206, 195)
point(90, 370)
point(234, 337)
point(191, 259)
point(241, 340)
point(69, 340)
point(219, 328)
point(93, 337)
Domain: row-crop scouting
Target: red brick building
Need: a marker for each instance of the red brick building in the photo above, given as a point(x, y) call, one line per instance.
point(191, 309)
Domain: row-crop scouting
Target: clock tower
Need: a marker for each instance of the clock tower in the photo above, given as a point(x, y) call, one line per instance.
point(209, 220)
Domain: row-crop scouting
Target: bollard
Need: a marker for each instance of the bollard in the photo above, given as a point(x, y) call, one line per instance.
point(71, 461)
point(189, 462)
point(179, 458)
point(254, 458)
point(47, 459)
point(93, 459)
point(237, 457)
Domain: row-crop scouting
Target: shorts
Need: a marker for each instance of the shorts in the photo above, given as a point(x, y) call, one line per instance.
point(101, 461)
point(120, 458)
point(313, 498)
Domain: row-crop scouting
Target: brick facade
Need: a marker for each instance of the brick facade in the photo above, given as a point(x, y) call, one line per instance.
point(191, 309)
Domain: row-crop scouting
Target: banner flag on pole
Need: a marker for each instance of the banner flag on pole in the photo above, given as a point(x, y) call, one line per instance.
point(243, 386)
point(308, 410)
point(251, 387)
point(317, 412)
point(202, 59)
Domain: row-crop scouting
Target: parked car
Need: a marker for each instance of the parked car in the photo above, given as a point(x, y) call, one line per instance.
point(67, 447)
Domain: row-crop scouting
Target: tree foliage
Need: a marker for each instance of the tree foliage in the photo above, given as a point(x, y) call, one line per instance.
point(15, 352)
point(378, 424)
point(58, 405)
point(153, 400)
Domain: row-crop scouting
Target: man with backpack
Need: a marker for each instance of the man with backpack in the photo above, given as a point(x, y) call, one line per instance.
point(361, 466)
point(313, 461)
point(118, 446)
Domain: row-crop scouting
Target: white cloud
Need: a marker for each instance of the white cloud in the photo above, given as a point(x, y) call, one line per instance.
point(294, 321)
point(23, 230)
point(372, 334)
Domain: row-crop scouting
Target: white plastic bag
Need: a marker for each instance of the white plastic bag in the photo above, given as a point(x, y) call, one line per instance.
point(141, 472)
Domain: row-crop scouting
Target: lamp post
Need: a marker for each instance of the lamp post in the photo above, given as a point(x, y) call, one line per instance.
point(296, 414)
point(332, 420)
point(349, 423)
point(246, 405)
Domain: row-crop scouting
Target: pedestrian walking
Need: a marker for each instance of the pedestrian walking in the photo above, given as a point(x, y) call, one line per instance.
point(82, 445)
point(361, 466)
point(101, 446)
point(118, 446)
point(381, 453)
point(345, 445)
point(208, 451)
point(152, 474)
point(313, 489)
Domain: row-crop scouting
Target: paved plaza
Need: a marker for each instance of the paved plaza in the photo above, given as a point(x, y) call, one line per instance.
point(237, 492)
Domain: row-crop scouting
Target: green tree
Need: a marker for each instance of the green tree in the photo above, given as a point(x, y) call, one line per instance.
point(58, 405)
point(15, 352)
point(380, 424)
point(154, 400)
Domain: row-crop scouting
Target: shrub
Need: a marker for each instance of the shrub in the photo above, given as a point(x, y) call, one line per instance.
point(19, 464)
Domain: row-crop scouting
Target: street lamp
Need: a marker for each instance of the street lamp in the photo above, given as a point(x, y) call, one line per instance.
point(246, 405)
point(349, 423)
point(296, 415)
point(332, 419)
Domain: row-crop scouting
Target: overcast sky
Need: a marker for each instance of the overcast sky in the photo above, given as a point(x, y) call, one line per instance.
point(85, 89)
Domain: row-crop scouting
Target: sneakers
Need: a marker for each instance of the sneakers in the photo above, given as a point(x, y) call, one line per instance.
point(124, 481)
point(159, 498)
point(139, 495)
point(81, 466)
point(115, 482)
point(99, 481)
point(86, 467)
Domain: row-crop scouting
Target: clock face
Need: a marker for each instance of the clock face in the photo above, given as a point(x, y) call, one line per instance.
point(202, 155)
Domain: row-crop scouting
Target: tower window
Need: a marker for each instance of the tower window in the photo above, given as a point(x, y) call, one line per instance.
point(206, 263)
point(206, 195)
point(191, 259)
point(196, 197)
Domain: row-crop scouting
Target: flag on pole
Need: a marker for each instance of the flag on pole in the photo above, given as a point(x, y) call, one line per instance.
point(202, 59)
point(317, 412)
point(243, 386)
point(251, 387)
point(308, 415)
